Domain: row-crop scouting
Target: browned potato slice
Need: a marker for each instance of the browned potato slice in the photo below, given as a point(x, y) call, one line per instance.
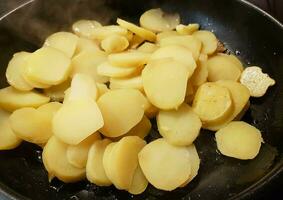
point(77, 154)
point(54, 158)
point(103, 32)
point(85, 28)
point(114, 44)
point(157, 21)
point(165, 166)
point(127, 83)
point(139, 182)
point(209, 41)
point(106, 69)
point(8, 139)
point(239, 140)
point(165, 34)
point(164, 85)
point(12, 99)
point(148, 47)
point(85, 44)
point(179, 127)
point(136, 41)
point(95, 172)
point(112, 104)
point(187, 29)
point(56, 93)
point(132, 58)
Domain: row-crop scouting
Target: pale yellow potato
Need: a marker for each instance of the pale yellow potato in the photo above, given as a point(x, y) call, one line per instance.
point(95, 172)
point(165, 34)
point(148, 47)
point(165, 166)
point(49, 110)
point(107, 69)
point(178, 53)
point(85, 44)
point(102, 89)
point(33, 83)
point(8, 139)
point(77, 155)
point(77, 120)
point(132, 58)
point(187, 29)
point(157, 21)
point(239, 140)
point(56, 92)
point(190, 42)
point(222, 68)
point(15, 70)
point(165, 83)
point(86, 62)
point(54, 157)
point(200, 74)
point(212, 103)
point(126, 83)
point(85, 28)
point(122, 107)
point(63, 41)
point(48, 66)
point(103, 32)
point(179, 127)
point(12, 99)
point(209, 41)
point(144, 33)
point(139, 182)
point(235, 60)
point(240, 96)
point(107, 157)
point(114, 43)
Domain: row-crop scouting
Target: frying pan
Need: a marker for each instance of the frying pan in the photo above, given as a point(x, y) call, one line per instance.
point(245, 30)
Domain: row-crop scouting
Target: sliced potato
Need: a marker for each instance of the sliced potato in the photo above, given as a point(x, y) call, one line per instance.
point(49, 110)
point(107, 157)
point(114, 43)
point(165, 34)
point(132, 58)
point(148, 47)
point(209, 41)
point(165, 166)
point(54, 158)
point(165, 83)
point(15, 70)
point(85, 28)
point(200, 74)
point(35, 84)
point(106, 69)
point(139, 182)
point(77, 154)
point(187, 29)
point(157, 21)
point(239, 140)
point(85, 44)
point(8, 139)
point(235, 60)
point(150, 110)
point(102, 89)
point(179, 127)
point(127, 83)
point(103, 32)
point(136, 41)
point(12, 99)
point(56, 93)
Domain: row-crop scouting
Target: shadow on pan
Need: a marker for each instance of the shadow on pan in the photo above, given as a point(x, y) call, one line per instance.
point(246, 31)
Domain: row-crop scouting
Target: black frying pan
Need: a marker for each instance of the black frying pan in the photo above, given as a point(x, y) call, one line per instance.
point(247, 31)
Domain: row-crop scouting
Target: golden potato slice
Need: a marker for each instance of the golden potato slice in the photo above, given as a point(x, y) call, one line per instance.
point(8, 139)
point(209, 41)
point(56, 92)
point(187, 29)
point(85, 28)
point(95, 172)
point(240, 96)
point(179, 127)
point(86, 62)
point(63, 41)
point(128, 102)
point(114, 43)
point(200, 74)
point(130, 36)
point(222, 68)
point(165, 83)
point(178, 53)
point(165, 34)
point(106, 69)
point(132, 58)
point(48, 66)
point(85, 44)
point(148, 47)
point(54, 158)
point(144, 33)
point(188, 41)
point(103, 32)
point(77, 154)
point(127, 83)
point(157, 21)
point(165, 166)
point(139, 182)
point(239, 140)
point(76, 120)
point(235, 60)
point(102, 89)
point(12, 99)
point(212, 103)
point(15, 70)
point(136, 41)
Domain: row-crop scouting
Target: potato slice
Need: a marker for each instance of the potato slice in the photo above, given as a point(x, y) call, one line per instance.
point(63, 41)
point(157, 21)
point(188, 41)
point(187, 29)
point(85, 44)
point(56, 93)
point(114, 44)
point(106, 69)
point(200, 74)
point(240, 96)
point(12, 99)
point(8, 139)
point(150, 110)
point(49, 109)
point(239, 140)
point(48, 66)
point(212, 103)
point(103, 32)
point(165, 34)
point(234, 59)
point(139, 182)
point(54, 158)
point(107, 157)
point(112, 104)
point(146, 34)
point(165, 166)
point(136, 41)
point(86, 62)
point(77, 154)
point(209, 41)
point(65, 122)
point(127, 83)
point(85, 28)
point(15, 70)
point(102, 89)
point(132, 58)
point(165, 83)
point(95, 172)
point(178, 53)
point(33, 83)
point(222, 68)
point(148, 47)
point(179, 127)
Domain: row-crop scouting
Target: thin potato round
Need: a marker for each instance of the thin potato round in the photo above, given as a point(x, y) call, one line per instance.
point(200, 74)
point(209, 41)
point(235, 60)
point(132, 58)
point(126, 83)
point(35, 84)
point(56, 93)
point(139, 182)
point(148, 47)
point(106, 69)
point(85, 28)
point(104, 32)
point(107, 155)
point(114, 44)
point(136, 41)
point(187, 29)
point(85, 44)
point(165, 34)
